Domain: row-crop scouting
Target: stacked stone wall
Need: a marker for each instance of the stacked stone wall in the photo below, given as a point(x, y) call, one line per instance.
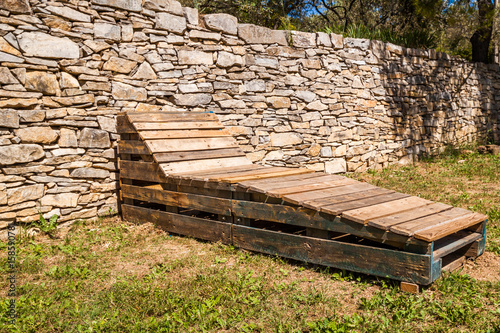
point(67, 68)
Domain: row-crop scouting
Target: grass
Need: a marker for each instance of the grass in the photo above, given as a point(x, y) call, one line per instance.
point(113, 276)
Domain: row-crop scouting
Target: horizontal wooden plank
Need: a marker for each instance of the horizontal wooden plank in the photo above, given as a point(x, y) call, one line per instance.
point(172, 145)
point(123, 126)
point(305, 186)
point(263, 185)
point(170, 117)
point(397, 265)
point(363, 215)
point(400, 217)
point(344, 204)
point(309, 218)
point(132, 147)
point(197, 155)
point(180, 134)
point(270, 174)
point(214, 231)
point(449, 216)
point(179, 199)
point(146, 171)
point(180, 125)
point(345, 186)
point(207, 164)
point(454, 242)
point(450, 227)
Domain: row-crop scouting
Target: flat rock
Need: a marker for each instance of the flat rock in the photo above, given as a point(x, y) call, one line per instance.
point(67, 138)
point(94, 138)
point(21, 153)
point(195, 58)
point(43, 82)
point(7, 47)
point(7, 57)
point(144, 72)
point(25, 193)
point(89, 173)
point(19, 102)
point(31, 116)
point(68, 81)
point(6, 76)
point(119, 65)
point(279, 102)
point(337, 165)
point(3, 194)
point(323, 39)
point(358, 43)
point(191, 15)
point(42, 134)
point(253, 34)
point(222, 22)
point(305, 95)
point(169, 6)
point(192, 99)
point(303, 39)
point(124, 91)
point(285, 139)
point(74, 100)
point(172, 23)
point(107, 31)
point(38, 44)
point(337, 41)
point(9, 118)
point(226, 59)
point(107, 124)
point(69, 13)
point(131, 5)
point(255, 86)
point(16, 6)
point(62, 200)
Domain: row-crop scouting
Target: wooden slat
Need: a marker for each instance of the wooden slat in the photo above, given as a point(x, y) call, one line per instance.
point(184, 125)
point(383, 197)
point(146, 171)
point(364, 259)
point(345, 186)
point(273, 174)
point(181, 224)
point(410, 227)
point(268, 187)
point(186, 166)
point(388, 221)
point(197, 155)
point(180, 134)
point(219, 174)
point(171, 145)
point(447, 228)
point(123, 126)
point(180, 199)
point(306, 186)
point(170, 117)
point(453, 243)
point(363, 215)
point(261, 184)
point(132, 147)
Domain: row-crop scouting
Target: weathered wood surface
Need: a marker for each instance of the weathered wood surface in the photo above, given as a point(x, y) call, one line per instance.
point(311, 198)
point(339, 204)
point(453, 243)
point(165, 117)
point(181, 134)
point(198, 155)
point(364, 259)
point(180, 224)
point(132, 147)
point(206, 164)
point(146, 171)
point(178, 125)
point(171, 145)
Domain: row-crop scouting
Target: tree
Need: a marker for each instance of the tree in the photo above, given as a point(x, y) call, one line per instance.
point(481, 38)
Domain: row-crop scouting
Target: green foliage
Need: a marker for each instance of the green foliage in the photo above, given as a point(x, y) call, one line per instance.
point(47, 227)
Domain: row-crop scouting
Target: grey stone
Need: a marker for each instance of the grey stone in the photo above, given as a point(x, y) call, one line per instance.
point(68, 81)
point(89, 173)
point(9, 118)
point(31, 116)
point(285, 139)
point(303, 39)
point(42, 134)
point(253, 34)
point(226, 59)
point(6, 57)
point(232, 104)
point(317, 106)
point(191, 15)
point(6, 76)
point(16, 6)
point(20, 154)
point(337, 41)
point(132, 5)
point(93, 138)
point(255, 86)
point(305, 95)
point(145, 72)
point(192, 99)
point(67, 138)
point(205, 35)
point(267, 62)
point(107, 31)
point(323, 39)
point(127, 32)
point(169, 6)
point(337, 165)
point(63, 200)
point(68, 151)
point(25, 193)
point(122, 91)
point(3, 194)
point(43, 82)
point(357, 43)
point(107, 124)
point(195, 58)
point(69, 13)
point(38, 44)
point(222, 22)
point(172, 23)
point(119, 65)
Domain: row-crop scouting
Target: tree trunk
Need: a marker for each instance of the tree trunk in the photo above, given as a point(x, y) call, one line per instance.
point(482, 36)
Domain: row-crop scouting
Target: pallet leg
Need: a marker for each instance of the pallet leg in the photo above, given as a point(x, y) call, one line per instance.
point(410, 287)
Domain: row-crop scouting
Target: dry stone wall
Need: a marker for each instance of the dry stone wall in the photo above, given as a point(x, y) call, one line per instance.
point(67, 68)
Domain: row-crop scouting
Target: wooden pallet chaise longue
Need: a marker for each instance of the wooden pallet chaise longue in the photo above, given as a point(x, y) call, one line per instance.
point(184, 172)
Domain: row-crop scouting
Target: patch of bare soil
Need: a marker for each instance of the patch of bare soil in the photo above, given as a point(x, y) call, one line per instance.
point(484, 268)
